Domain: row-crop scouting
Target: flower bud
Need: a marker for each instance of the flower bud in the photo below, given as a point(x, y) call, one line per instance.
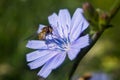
point(92, 16)
point(103, 20)
point(90, 13)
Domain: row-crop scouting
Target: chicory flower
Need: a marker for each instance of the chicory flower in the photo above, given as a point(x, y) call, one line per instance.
point(65, 40)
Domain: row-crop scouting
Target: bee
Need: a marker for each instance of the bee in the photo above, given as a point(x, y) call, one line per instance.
point(44, 32)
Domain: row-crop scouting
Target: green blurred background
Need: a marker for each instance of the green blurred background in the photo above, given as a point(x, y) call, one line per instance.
point(20, 19)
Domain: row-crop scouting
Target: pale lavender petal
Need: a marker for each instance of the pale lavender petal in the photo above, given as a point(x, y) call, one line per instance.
point(76, 32)
point(53, 21)
point(36, 54)
point(73, 52)
point(76, 19)
point(81, 42)
point(40, 28)
point(36, 44)
point(77, 45)
point(56, 61)
point(52, 64)
point(81, 10)
point(78, 25)
point(42, 60)
point(64, 21)
point(85, 25)
point(44, 72)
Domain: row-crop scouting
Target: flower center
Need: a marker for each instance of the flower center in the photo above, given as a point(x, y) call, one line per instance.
point(66, 47)
point(58, 44)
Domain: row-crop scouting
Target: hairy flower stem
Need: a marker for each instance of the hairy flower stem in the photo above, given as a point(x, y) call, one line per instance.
point(95, 37)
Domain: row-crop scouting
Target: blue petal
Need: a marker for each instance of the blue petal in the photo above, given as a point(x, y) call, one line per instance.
point(42, 60)
point(76, 19)
point(36, 54)
point(76, 32)
point(73, 52)
point(81, 42)
point(64, 21)
point(36, 44)
point(40, 28)
point(85, 25)
point(53, 21)
point(78, 25)
point(44, 72)
point(52, 64)
point(56, 61)
point(77, 45)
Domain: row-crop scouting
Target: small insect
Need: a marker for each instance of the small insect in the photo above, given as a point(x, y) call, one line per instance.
point(44, 32)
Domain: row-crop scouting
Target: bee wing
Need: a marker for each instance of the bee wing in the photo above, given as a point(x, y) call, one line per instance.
point(34, 35)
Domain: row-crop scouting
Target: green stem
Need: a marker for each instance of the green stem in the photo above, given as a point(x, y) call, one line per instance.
point(114, 10)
